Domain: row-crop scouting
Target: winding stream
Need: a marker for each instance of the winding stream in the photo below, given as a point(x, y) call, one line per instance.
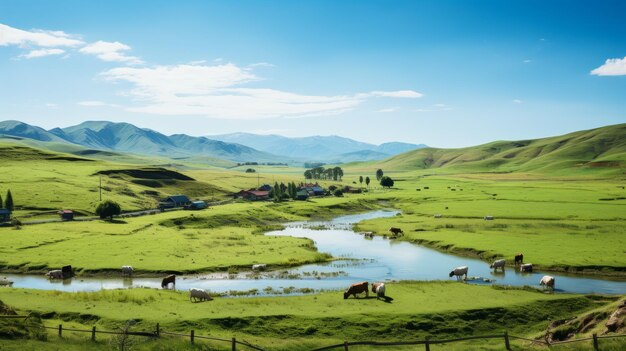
point(376, 259)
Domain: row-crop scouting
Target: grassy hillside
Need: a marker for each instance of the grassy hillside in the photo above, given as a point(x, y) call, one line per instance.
point(602, 149)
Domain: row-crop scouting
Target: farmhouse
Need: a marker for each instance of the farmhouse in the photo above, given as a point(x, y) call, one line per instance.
point(66, 215)
point(175, 201)
point(312, 189)
point(302, 195)
point(5, 215)
point(252, 195)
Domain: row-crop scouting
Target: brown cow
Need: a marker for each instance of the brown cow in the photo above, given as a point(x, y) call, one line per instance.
point(519, 258)
point(167, 280)
point(357, 289)
point(395, 231)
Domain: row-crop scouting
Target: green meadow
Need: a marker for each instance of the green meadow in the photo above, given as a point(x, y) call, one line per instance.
point(561, 220)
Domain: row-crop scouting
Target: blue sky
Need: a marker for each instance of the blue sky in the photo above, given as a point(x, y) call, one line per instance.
point(443, 73)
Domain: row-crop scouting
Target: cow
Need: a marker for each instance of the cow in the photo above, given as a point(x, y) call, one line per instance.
point(357, 289)
point(488, 218)
point(498, 264)
point(68, 272)
point(547, 281)
point(127, 271)
point(459, 272)
point(259, 267)
point(438, 215)
point(196, 295)
point(379, 290)
point(526, 268)
point(167, 280)
point(55, 274)
point(519, 258)
point(396, 231)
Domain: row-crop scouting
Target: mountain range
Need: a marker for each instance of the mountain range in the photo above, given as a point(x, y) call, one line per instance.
point(318, 148)
point(239, 147)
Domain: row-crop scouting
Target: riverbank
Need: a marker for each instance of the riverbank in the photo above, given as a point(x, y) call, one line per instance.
point(413, 310)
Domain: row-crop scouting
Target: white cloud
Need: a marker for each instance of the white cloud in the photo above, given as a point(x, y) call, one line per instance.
point(409, 94)
point(52, 106)
point(528, 61)
point(23, 38)
point(110, 52)
point(95, 103)
point(216, 91)
point(517, 101)
point(612, 67)
point(42, 52)
point(387, 110)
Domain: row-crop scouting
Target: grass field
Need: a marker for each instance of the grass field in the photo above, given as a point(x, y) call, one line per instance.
point(416, 310)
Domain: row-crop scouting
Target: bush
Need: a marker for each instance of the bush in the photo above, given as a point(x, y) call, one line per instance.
point(108, 209)
point(338, 193)
point(386, 181)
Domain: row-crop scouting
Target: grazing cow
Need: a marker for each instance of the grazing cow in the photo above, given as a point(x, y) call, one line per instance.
point(498, 264)
point(199, 295)
point(519, 258)
point(488, 218)
point(526, 268)
point(357, 289)
point(127, 270)
point(68, 272)
point(459, 272)
point(396, 231)
point(167, 280)
point(379, 290)
point(55, 274)
point(547, 281)
point(259, 267)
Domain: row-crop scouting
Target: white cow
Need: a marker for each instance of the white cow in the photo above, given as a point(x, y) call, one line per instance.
point(526, 267)
point(498, 264)
point(127, 270)
point(459, 272)
point(547, 281)
point(379, 290)
point(259, 267)
point(55, 274)
point(199, 295)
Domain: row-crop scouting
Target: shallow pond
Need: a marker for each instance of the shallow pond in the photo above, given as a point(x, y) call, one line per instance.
point(376, 259)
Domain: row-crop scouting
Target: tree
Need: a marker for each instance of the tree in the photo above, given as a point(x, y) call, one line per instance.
point(361, 180)
point(308, 174)
point(379, 174)
point(8, 203)
point(250, 170)
point(367, 182)
point(108, 209)
point(386, 181)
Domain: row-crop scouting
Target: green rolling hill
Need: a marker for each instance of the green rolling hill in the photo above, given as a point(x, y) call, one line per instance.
point(598, 149)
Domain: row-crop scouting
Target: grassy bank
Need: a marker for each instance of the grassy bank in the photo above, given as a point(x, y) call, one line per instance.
point(415, 310)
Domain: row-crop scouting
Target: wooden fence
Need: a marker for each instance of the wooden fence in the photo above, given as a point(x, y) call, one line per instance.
point(505, 337)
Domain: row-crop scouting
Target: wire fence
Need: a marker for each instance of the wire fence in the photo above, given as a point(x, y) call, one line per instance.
point(234, 343)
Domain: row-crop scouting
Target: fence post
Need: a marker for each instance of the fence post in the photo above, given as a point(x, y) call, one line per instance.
point(158, 330)
point(506, 341)
point(234, 345)
point(191, 336)
point(60, 330)
point(427, 344)
point(595, 342)
point(93, 333)
point(345, 346)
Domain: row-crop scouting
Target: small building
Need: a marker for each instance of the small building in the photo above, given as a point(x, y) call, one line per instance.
point(302, 195)
point(265, 187)
point(313, 189)
point(197, 205)
point(66, 215)
point(175, 201)
point(351, 190)
point(5, 215)
point(252, 195)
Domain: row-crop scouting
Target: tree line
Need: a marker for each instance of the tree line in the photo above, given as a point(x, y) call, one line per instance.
point(322, 173)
